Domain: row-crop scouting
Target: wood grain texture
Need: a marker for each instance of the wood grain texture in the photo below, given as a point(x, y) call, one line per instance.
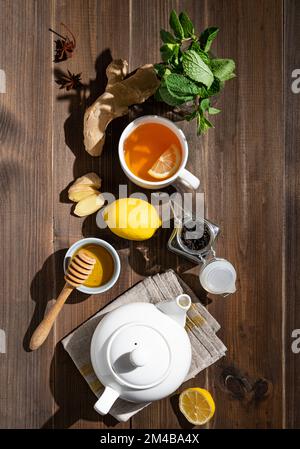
point(250, 181)
point(96, 26)
point(148, 257)
point(154, 15)
point(244, 183)
point(292, 191)
point(26, 212)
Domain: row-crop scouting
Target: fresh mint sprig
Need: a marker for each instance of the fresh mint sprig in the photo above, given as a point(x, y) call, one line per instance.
point(190, 75)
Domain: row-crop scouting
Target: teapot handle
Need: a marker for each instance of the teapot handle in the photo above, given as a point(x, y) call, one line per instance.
point(106, 400)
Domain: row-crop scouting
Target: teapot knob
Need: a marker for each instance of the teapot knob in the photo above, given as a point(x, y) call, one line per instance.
point(138, 357)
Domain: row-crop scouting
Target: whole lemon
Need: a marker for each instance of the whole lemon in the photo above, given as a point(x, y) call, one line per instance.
point(132, 218)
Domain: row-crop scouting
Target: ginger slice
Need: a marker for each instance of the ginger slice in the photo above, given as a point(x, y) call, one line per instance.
point(79, 193)
point(84, 186)
point(89, 179)
point(114, 102)
point(89, 205)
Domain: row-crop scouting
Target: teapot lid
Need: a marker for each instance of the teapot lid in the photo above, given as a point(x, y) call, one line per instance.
point(138, 356)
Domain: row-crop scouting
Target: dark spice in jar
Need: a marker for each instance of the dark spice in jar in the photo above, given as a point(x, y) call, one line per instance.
point(195, 244)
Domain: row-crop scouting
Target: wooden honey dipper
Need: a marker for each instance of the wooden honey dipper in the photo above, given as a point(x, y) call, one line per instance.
point(79, 269)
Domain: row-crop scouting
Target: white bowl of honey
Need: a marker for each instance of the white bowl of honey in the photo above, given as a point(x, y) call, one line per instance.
point(107, 267)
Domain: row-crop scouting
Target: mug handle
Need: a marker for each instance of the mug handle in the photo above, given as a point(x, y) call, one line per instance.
point(187, 179)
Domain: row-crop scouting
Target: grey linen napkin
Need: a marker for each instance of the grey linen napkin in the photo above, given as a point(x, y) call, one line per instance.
point(201, 326)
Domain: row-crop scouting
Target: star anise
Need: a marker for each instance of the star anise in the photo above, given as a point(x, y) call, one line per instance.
point(69, 81)
point(64, 46)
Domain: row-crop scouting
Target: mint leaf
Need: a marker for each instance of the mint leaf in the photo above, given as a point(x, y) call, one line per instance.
point(157, 96)
point(169, 51)
point(231, 76)
point(223, 68)
point(196, 69)
point(181, 87)
point(176, 25)
point(170, 98)
point(159, 70)
point(203, 93)
point(167, 37)
point(213, 111)
point(177, 89)
point(208, 124)
point(203, 124)
point(207, 37)
point(187, 25)
point(189, 74)
point(215, 88)
point(204, 56)
point(204, 104)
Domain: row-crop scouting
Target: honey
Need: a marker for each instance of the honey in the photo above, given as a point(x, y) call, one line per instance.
point(103, 268)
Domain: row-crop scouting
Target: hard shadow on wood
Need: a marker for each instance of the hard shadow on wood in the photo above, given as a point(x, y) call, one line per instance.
point(72, 395)
point(192, 280)
point(151, 256)
point(10, 128)
point(146, 257)
point(184, 424)
point(79, 100)
point(153, 107)
point(45, 286)
point(108, 166)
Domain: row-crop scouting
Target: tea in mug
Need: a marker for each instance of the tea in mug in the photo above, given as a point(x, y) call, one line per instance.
point(153, 152)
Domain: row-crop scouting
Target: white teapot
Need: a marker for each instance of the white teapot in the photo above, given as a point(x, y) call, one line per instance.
point(141, 352)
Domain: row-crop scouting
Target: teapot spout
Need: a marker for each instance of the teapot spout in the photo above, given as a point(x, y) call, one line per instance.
point(177, 308)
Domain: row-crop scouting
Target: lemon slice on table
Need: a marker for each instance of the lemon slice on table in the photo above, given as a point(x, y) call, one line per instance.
point(167, 164)
point(197, 405)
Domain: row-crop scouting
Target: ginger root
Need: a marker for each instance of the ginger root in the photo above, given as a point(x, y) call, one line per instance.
point(120, 93)
point(84, 191)
point(77, 194)
point(90, 179)
point(89, 205)
point(84, 186)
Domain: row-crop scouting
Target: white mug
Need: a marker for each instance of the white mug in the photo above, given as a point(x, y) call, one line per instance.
point(182, 175)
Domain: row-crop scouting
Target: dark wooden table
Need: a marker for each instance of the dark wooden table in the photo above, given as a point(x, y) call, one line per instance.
point(249, 169)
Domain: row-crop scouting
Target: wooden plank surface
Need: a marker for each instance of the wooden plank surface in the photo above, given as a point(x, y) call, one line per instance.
point(154, 15)
point(292, 192)
point(244, 184)
point(243, 169)
point(26, 212)
point(96, 26)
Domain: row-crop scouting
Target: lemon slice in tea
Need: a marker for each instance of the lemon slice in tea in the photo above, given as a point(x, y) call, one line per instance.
point(167, 164)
